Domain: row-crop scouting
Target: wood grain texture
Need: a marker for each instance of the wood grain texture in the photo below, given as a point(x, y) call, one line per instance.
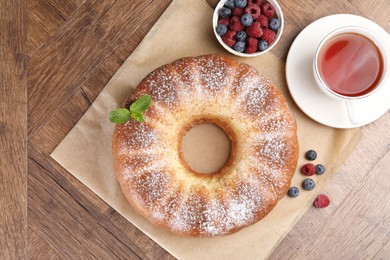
point(13, 153)
point(42, 21)
point(348, 191)
point(79, 238)
point(84, 222)
point(65, 8)
point(78, 103)
point(75, 47)
point(353, 225)
point(384, 252)
point(53, 129)
point(55, 72)
point(45, 250)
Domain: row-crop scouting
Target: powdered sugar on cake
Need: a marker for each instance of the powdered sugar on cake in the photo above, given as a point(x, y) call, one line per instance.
point(210, 86)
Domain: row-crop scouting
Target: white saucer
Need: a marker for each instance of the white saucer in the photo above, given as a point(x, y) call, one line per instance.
point(310, 99)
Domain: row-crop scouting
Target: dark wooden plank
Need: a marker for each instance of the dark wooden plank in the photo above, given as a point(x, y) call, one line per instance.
point(57, 210)
point(65, 8)
point(153, 250)
point(58, 125)
point(42, 22)
point(75, 52)
point(60, 202)
point(61, 240)
point(95, 84)
point(38, 248)
point(13, 102)
point(61, 121)
point(100, 78)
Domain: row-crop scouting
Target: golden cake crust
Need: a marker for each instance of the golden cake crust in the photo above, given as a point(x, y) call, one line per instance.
point(206, 89)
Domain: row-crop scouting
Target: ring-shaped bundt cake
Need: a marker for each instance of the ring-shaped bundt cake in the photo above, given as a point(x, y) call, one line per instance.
point(264, 148)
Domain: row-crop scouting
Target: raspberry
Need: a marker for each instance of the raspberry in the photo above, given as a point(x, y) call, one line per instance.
point(228, 42)
point(252, 43)
point(308, 169)
point(253, 10)
point(229, 38)
point(263, 20)
point(230, 34)
point(254, 30)
point(238, 11)
point(235, 24)
point(250, 50)
point(268, 10)
point(255, 2)
point(224, 21)
point(268, 36)
point(322, 201)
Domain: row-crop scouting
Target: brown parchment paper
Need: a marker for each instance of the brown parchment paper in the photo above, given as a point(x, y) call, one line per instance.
point(185, 30)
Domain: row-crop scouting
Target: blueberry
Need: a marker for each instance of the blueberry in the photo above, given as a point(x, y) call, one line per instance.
point(239, 46)
point(229, 4)
point(263, 45)
point(225, 12)
point(240, 3)
point(246, 20)
point(293, 192)
point(221, 29)
point(308, 184)
point(274, 24)
point(311, 155)
point(241, 36)
point(320, 169)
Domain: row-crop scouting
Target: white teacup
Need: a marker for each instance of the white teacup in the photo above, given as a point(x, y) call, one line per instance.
point(350, 101)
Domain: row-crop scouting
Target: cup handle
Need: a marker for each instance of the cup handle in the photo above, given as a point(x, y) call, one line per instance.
point(353, 117)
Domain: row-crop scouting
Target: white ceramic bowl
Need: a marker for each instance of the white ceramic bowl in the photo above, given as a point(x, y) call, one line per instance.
point(279, 15)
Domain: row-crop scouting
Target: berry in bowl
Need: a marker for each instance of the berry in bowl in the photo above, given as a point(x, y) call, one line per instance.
point(248, 28)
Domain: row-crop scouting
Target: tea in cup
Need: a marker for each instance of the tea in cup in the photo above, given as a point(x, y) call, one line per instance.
point(351, 63)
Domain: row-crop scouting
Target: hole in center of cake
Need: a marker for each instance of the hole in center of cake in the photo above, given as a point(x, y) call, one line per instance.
point(206, 148)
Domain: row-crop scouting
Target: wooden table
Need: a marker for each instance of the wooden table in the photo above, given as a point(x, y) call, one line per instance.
point(56, 56)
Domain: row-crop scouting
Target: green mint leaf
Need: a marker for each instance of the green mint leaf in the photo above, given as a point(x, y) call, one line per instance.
point(141, 104)
point(120, 115)
point(123, 115)
point(137, 116)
